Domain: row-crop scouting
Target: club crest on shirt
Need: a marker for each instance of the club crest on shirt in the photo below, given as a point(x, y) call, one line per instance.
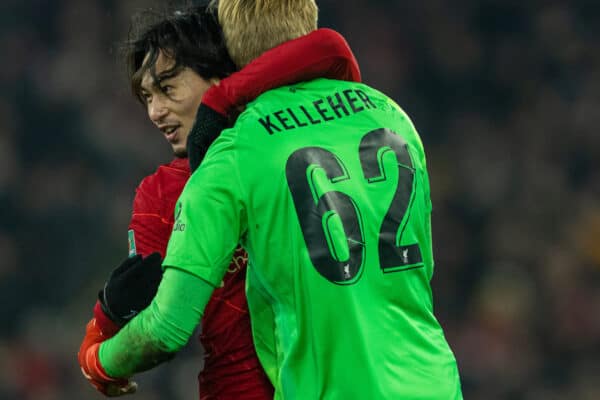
point(178, 226)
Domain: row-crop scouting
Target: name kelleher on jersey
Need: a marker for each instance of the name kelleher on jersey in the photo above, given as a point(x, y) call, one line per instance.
point(335, 106)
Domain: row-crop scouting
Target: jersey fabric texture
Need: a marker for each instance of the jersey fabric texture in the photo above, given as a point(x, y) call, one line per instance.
point(325, 184)
point(231, 368)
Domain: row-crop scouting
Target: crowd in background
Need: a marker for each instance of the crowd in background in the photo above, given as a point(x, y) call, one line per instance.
point(505, 95)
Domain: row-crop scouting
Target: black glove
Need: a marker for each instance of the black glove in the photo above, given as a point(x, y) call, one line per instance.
point(206, 129)
point(131, 287)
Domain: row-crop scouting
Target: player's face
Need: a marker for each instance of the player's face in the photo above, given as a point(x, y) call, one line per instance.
point(172, 101)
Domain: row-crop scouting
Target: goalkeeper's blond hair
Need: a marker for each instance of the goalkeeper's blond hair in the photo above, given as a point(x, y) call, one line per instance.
point(252, 27)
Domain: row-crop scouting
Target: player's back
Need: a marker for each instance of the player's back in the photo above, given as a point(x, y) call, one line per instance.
point(338, 211)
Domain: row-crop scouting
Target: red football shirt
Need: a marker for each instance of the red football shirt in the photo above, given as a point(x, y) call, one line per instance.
point(231, 367)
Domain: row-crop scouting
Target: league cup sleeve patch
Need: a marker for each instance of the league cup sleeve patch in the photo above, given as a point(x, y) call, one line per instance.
point(131, 242)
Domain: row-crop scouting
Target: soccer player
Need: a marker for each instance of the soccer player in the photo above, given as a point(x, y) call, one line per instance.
point(325, 184)
point(172, 61)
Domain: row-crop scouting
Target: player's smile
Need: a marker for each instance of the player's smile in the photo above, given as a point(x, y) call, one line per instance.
point(171, 132)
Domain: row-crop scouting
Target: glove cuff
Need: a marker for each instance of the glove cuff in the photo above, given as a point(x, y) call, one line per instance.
point(106, 325)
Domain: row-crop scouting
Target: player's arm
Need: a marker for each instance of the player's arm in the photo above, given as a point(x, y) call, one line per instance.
point(323, 53)
point(158, 332)
point(130, 287)
point(197, 259)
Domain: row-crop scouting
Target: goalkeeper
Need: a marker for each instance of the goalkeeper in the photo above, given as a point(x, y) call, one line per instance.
point(172, 61)
point(325, 184)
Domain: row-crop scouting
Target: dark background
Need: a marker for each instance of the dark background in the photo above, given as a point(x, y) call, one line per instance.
point(505, 95)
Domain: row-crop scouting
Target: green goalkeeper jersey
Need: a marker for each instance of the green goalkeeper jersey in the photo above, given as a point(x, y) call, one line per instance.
point(325, 185)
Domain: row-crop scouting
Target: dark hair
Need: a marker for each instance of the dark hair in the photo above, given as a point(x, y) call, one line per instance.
point(191, 37)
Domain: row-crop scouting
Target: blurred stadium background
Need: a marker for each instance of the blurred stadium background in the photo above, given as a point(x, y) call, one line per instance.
point(506, 96)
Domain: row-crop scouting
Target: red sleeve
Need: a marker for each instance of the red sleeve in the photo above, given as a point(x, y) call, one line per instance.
point(152, 219)
point(151, 230)
point(323, 53)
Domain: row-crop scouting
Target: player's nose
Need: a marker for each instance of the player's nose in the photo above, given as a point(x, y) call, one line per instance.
point(157, 110)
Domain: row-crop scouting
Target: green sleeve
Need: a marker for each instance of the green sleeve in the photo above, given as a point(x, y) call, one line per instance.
point(162, 329)
point(210, 214)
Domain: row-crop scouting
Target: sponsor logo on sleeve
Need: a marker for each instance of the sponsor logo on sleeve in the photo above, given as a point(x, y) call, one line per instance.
point(178, 226)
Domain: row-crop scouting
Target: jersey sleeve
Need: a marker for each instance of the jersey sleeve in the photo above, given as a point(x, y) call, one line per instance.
point(149, 230)
point(209, 215)
point(323, 53)
point(161, 329)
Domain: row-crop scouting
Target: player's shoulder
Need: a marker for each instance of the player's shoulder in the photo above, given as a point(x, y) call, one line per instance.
point(167, 178)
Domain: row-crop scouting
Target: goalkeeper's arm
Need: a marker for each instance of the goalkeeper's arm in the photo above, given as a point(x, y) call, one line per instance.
point(321, 53)
point(153, 336)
